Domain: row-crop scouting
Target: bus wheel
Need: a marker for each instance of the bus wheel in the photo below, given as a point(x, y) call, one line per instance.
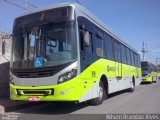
point(101, 96)
point(131, 89)
point(152, 79)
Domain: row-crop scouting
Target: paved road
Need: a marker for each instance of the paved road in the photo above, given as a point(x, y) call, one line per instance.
point(145, 99)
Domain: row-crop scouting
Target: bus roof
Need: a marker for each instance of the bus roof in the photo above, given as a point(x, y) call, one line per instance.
point(147, 62)
point(85, 11)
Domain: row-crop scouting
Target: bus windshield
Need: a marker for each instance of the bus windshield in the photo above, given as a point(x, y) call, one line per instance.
point(145, 70)
point(49, 44)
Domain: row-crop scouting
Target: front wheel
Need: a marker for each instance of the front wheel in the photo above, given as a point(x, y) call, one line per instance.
point(101, 95)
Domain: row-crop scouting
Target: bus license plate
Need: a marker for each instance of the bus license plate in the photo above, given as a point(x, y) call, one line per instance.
point(33, 99)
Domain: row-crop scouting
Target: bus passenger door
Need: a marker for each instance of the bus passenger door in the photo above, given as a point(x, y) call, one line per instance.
point(118, 64)
point(86, 30)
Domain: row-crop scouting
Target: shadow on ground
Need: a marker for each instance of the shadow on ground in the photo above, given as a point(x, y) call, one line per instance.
point(56, 108)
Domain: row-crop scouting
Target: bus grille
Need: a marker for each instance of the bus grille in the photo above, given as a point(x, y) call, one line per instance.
point(37, 92)
point(34, 74)
point(38, 72)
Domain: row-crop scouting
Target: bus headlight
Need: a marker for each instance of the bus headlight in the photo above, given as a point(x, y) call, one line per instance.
point(67, 76)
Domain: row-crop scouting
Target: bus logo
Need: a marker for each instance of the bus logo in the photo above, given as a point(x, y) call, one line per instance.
point(38, 62)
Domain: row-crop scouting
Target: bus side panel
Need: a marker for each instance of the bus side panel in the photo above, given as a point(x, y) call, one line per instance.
point(91, 76)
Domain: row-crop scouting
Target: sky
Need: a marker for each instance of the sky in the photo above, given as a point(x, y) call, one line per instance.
point(134, 21)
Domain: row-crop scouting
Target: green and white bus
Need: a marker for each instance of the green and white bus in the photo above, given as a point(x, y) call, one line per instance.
point(149, 72)
point(64, 53)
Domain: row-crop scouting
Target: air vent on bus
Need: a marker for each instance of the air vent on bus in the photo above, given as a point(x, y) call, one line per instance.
point(34, 74)
point(41, 92)
point(38, 72)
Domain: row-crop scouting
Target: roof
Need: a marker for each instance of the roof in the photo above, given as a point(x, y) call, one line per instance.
point(146, 61)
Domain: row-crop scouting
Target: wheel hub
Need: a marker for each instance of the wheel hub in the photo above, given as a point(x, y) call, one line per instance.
point(100, 93)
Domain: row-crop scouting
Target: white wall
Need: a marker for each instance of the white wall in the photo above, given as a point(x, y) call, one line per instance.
point(8, 49)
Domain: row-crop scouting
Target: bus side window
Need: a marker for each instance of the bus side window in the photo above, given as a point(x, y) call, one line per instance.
point(139, 63)
point(81, 38)
point(136, 60)
point(117, 51)
point(99, 42)
point(128, 56)
point(108, 46)
point(85, 40)
point(123, 53)
point(132, 58)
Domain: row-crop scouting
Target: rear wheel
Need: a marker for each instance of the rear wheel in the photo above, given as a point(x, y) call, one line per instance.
point(101, 95)
point(152, 79)
point(131, 89)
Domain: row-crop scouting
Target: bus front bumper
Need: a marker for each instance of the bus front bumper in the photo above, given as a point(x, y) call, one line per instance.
point(146, 79)
point(59, 92)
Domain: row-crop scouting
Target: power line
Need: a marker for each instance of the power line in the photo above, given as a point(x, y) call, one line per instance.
point(15, 4)
point(153, 52)
point(30, 4)
point(78, 2)
point(24, 8)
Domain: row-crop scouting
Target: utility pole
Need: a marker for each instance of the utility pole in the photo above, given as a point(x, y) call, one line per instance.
point(26, 5)
point(144, 51)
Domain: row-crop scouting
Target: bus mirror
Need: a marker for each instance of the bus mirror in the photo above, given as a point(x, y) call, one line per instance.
point(3, 46)
point(86, 38)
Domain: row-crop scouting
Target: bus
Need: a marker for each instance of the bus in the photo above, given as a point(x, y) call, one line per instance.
point(149, 72)
point(64, 53)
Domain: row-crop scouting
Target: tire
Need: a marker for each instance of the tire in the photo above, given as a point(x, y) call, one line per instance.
point(152, 79)
point(156, 79)
point(102, 96)
point(132, 87)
